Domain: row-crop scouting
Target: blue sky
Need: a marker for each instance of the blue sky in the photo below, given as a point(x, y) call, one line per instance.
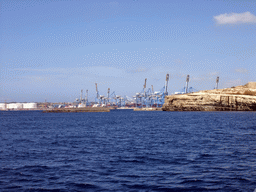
point(51, 49)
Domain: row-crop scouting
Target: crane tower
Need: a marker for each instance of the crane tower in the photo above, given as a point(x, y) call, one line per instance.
point(86, 100)
point(108, 95)
point(97, 94)
point(81, 96)
point(187, 80)
point(217, 82)
point(166, 84)
point(145, 84)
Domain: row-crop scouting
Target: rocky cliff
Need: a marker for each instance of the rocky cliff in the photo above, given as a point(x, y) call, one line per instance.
point(240, 98)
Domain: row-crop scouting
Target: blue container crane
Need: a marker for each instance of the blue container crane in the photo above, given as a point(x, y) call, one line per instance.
point(217, 83)
point(97, 98)
point(86, 99)
point(149, 98)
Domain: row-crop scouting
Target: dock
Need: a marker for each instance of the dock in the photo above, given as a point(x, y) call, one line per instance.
point(148, 109)
point(77, 110)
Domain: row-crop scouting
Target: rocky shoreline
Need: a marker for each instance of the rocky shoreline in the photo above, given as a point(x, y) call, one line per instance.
point(240, 98)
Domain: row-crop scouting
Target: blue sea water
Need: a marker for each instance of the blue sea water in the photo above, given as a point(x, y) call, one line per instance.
point(125, 150)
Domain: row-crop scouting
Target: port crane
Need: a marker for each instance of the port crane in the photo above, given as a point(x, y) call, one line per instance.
point(108, 95)
point(166, 84)
point(217, 82)
point(97, 98)
point(160, 95)
point(140, 97)
point(149, 98)
point(86, 98)
point(144, 96)
point(186, 87)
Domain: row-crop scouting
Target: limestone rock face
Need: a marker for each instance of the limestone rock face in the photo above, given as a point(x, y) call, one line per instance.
point(240, 98)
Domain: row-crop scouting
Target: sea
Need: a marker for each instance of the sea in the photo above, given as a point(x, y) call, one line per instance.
point(126, 150)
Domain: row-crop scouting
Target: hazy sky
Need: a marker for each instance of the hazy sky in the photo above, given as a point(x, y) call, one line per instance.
point(51, 49)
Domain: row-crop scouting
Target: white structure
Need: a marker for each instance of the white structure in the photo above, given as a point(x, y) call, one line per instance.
point(178, 93)
point(29, 105)
point(17, 106)
point(69, 106)
point(14, 106)
point(81, 105)
point(2, 106)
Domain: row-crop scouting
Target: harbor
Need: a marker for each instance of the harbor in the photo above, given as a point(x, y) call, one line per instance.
point(240, 98)
point(147, 99)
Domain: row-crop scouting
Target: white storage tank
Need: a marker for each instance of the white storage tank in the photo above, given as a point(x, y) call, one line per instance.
point(29, 105)
point(2, 106)
point(14, 106)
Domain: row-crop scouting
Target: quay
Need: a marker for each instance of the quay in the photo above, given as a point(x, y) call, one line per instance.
point(77, 110)
point(148, 109)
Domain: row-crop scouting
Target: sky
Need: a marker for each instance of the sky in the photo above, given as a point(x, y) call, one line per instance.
point(51, 49)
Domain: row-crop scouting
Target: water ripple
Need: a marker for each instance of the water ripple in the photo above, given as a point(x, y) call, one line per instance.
point(128, 151)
